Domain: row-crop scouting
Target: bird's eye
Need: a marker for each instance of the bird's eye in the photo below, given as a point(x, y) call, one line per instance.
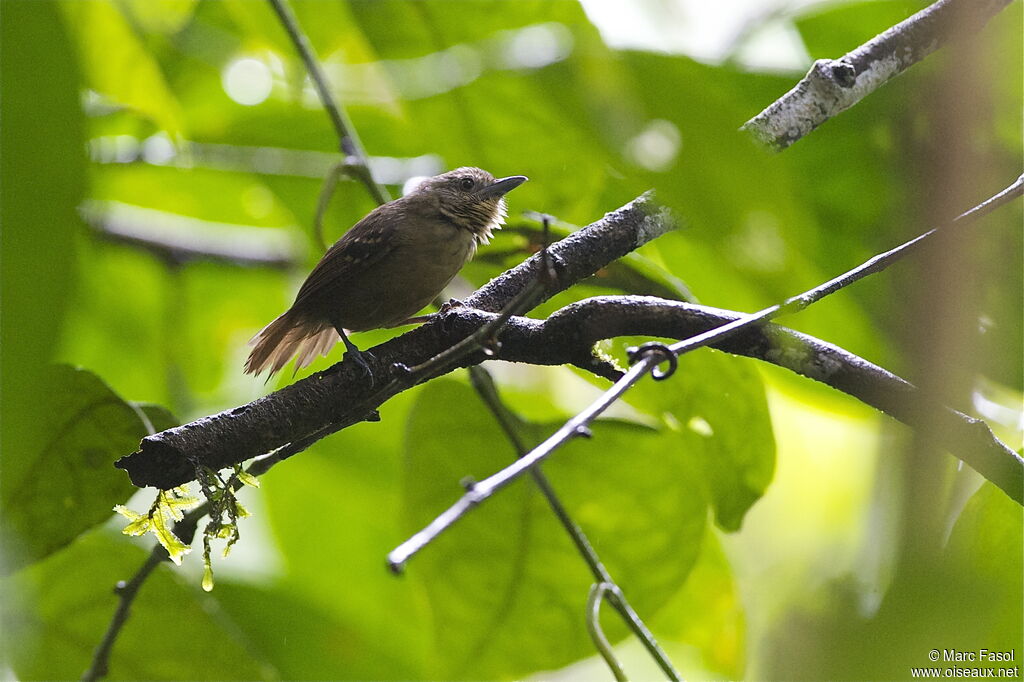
point(466, 183)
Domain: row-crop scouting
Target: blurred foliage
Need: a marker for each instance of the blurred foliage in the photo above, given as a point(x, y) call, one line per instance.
point(137, 103)
point(66, 459)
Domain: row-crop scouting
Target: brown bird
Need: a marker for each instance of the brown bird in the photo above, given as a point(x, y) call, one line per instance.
point(386, 268)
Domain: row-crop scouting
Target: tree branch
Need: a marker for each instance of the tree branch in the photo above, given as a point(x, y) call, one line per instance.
point(834, 85)
point(339, 396)
point(648, 357)
point(560, 338)
point(509, 422)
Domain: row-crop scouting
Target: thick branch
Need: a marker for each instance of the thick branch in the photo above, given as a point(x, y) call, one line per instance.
point(340, 395)
point(834, 85)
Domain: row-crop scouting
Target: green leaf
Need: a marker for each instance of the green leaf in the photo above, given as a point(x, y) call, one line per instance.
point(715, 409)
point(139, 523)
point(332, 647)
point(248, 479)
point(42, 181)
point(987, 545)
point(159, 417)
point(335, 516)
point(706, 617)
point(56, 611)
point(129, 514)
point(164, 533)
point(60, 481)
point(506, 585)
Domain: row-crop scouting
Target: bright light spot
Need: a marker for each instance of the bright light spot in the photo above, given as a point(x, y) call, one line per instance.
point(536, 46)
point(775, 46)
point(458, 65)
point(247, 80)
point(427, 164)
point(435, 73)
point(656, 147)
point(412, 183)
point(708, 31)
point(126, 148)
point(700, 426)
point(158, 149)
point(759, 245)
point(671, 422)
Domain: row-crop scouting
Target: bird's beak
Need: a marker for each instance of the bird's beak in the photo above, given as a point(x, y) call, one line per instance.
point(502, 186)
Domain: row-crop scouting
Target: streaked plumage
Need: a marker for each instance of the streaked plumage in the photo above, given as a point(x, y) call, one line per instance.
point(387, 267)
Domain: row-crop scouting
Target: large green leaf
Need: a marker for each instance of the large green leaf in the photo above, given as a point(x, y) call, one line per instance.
point(506, 587)
point(56, 612)
point(706, 619)
point(42, 180)
point(320, 643)
point(60, 480)
point(51, 489)
point(714, 408)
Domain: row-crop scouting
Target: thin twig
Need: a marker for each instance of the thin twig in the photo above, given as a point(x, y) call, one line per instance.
point(870, 266)
point(484, 489)
point(323, 201)
point(509, 422)
point(647, 360)
point(126, 593)
point(355, 161)
point(604, 647)
point(618, 600)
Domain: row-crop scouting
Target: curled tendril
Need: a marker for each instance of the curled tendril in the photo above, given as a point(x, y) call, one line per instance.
point(664, 353)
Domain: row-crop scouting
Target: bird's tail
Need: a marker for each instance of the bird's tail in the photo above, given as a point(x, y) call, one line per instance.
point(286, 336)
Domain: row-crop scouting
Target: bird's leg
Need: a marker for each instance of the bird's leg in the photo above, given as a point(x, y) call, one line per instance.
point(354, 353)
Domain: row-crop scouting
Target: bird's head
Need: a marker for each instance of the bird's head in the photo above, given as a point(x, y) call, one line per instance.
point(471, 198)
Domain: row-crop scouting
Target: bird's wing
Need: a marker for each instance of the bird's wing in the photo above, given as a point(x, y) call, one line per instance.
point(366, 243)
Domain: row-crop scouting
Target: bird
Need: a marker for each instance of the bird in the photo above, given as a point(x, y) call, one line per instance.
point(386, 268)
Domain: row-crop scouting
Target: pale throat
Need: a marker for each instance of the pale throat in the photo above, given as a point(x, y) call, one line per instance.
point(480, 219)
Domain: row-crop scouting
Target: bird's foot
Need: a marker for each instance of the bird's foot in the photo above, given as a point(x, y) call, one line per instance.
point(359, 358)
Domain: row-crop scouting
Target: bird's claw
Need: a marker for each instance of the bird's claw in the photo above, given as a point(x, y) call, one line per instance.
point(359, 358)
